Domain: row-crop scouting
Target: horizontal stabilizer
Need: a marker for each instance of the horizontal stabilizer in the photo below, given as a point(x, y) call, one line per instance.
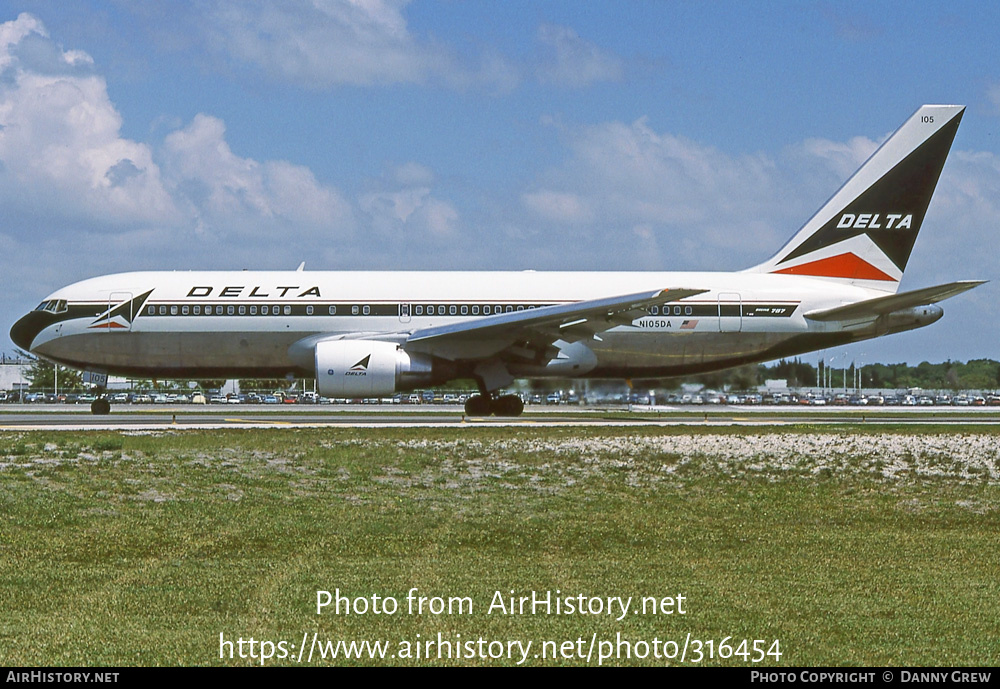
point(894, 302)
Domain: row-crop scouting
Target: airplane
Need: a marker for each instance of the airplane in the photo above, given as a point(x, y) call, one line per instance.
point(373, 334)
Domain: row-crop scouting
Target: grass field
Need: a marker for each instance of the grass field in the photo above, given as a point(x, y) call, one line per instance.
point(847, 545)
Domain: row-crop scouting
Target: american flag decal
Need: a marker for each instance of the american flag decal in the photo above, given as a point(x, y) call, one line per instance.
point(689, 325)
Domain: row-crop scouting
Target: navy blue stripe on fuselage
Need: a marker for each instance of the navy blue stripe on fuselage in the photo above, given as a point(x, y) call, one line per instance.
point(424, 309)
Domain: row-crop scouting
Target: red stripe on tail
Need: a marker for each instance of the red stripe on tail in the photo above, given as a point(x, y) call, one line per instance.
point(841, 266)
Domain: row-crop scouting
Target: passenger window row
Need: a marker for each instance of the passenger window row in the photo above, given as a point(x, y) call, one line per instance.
point(655, 310)
point(227, 310)
point(469, 309)
point(334, 309)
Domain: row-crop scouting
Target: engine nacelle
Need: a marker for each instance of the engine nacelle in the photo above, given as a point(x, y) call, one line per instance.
point(368, 368)
point(909, 319)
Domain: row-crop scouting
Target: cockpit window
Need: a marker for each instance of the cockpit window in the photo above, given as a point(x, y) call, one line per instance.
point(53, 306)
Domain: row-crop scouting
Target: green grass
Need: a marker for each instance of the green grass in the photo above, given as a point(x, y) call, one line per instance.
point(123, 549)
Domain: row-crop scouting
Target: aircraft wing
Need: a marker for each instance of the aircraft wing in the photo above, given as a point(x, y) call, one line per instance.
point(486, 336)
point(894, 302)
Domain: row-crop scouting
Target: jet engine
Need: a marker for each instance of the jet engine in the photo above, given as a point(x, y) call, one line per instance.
point(368, 368)
point(909, 319)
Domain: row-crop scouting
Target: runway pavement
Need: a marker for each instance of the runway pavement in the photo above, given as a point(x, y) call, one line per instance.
point(128, 417)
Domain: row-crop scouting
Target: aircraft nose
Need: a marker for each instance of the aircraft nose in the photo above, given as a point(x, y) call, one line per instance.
point(27, 328)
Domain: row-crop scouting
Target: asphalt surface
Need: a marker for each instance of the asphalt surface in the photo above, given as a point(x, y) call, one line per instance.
point(130, 417)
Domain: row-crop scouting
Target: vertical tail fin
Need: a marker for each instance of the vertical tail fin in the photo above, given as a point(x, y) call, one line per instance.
point(865, 232)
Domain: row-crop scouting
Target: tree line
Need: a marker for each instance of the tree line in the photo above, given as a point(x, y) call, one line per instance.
point(977, 374)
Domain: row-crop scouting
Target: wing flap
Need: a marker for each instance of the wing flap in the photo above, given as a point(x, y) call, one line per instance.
point(871, 308)
point(489, 335)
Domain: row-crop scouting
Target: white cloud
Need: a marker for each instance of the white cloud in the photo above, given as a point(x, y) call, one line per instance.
point(65, 166)
point(961, 238)
point(568, 60)
point(62, 157)
point(407, 213)
point(842, 158)
point(13, 32)
point(677, 204)
point(320, 44)
point(412, 174)
point(560, 207)
point(242, 196)
point(325, 42)
point(993, 96)
point(632, 183)
point(496, 72)
point(60, 142)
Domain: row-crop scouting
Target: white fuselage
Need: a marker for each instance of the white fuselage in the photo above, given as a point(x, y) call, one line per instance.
point(212, 324)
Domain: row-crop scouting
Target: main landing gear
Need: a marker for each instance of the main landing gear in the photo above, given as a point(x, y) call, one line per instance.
point(503, 405)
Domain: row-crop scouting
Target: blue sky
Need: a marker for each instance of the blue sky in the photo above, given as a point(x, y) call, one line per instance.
point(470, 135)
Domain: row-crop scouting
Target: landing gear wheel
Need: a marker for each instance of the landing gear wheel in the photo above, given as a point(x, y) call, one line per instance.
point(508, 405)
point(478, 405)
point(100, 406)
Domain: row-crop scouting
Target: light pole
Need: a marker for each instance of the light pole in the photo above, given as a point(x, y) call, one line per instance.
point(857, 371)
point(829, 375)
point(844, 355)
